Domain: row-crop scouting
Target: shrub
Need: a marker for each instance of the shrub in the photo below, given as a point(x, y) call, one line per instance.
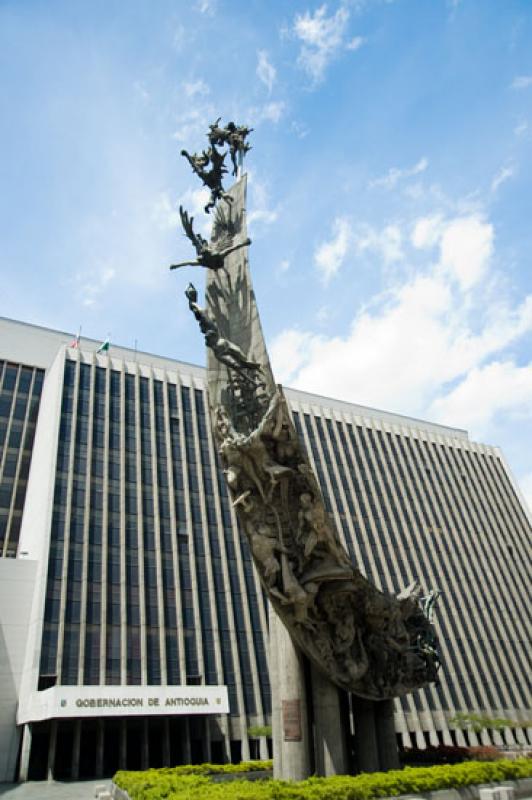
point(176, 784)
point(255, 731)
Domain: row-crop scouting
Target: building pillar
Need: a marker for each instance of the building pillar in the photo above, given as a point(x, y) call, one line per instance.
point(226, 744)
point(145, 746)
point(122, 752)
point(385, 733)
point(329, 727)
point(166, 742)
point(187, 752)
point(263, 748)
point(51, 750)
point(291, 735)
point(207, 749)
point(25, 753)
point(366, 748)
point(244, 743)
point(76, 741)
point(100, 742)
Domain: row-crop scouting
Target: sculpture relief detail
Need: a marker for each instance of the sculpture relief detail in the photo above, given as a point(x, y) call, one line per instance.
point(367, 641)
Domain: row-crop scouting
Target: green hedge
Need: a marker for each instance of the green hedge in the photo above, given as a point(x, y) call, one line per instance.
point(193, 783)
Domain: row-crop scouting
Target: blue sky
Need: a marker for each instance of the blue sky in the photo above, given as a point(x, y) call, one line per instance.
point(389, 188)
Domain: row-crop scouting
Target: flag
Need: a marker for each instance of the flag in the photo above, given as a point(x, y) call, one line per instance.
point(104, 347)
point(75, 342)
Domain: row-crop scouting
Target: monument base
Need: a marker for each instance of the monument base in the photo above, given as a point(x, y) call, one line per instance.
point(311, 722)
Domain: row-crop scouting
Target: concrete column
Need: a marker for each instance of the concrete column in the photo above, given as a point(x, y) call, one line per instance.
point(386, 738)
point(207, 749)
point(166, 742)
point(186, 752)
point(226, 745)
point(145, 746)
point(329, 727)
point(366, 748)
point(51, 750)
point(291, 735)
point(122, 753)
point(263, 748)
point(244, 742)
point(100, 741)
point(25, 753)
point(75, 750)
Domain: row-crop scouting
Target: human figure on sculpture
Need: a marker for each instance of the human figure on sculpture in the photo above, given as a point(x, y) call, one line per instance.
point(246, 456)
point(232, 135)
point(264, 545)
point(212, 178)
point(207, 256)
point(226, 352)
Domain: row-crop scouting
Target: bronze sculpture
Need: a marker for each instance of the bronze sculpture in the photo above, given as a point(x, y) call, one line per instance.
point(208, 257)
point(368, 642)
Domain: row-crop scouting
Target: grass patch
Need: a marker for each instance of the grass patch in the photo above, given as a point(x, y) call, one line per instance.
point(193, 782)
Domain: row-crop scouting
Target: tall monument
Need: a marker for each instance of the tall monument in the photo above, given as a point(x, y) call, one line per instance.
point(332, 632)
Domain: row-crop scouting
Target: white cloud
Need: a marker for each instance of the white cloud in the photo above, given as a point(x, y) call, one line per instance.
point(299, 129)
point(465, 249)
point(260, 209)
point(465, 245)
point(165, 212)
point(322, 38)
point(355, 43)
point(287, 351)
point(394, 175)
point(414, 349)
point(179, 38)
point(323, 315)
point(190, 125)
point(500, 386)
point(504, 174)
point(330, 255)
point(525, 483)
point(522, 82)
point(207, 7)
point(141, 91)
point(266, 72)
point(91, 286)
point(271, 111)
point(264, 215)
point(427, 231)
point(521, 128)
point(197, 88)
point(387, 242)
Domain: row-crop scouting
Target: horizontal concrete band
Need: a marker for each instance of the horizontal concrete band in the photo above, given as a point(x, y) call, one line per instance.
point(64, 702)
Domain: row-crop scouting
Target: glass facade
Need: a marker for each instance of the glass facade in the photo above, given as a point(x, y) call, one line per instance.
point(148, 579)
point(20, 392)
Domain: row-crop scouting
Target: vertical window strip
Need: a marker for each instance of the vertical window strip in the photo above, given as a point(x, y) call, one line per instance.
point(449, 457)
point(452, 656)
point(436, 520)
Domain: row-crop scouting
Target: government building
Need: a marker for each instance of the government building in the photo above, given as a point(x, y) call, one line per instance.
point(133, 628)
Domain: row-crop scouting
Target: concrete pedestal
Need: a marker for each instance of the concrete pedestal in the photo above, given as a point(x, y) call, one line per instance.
point(290, 723)
point(375, 738)
point(330, 723)
point(310, 726)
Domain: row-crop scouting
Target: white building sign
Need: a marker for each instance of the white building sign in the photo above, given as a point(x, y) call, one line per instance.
point(121, 701)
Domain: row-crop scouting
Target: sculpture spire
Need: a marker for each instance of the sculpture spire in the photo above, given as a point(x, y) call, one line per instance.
point(366, 641)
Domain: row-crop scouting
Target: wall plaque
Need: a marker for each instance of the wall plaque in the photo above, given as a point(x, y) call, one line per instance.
point(292, 720)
